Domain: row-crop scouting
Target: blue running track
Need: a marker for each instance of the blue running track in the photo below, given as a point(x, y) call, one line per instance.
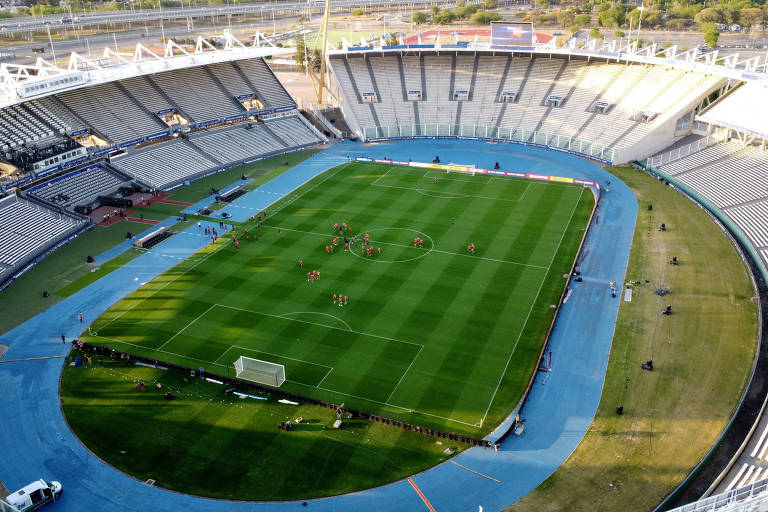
point(35, 441)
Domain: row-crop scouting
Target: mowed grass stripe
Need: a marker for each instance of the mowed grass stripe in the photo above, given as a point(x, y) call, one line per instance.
point(435, 299)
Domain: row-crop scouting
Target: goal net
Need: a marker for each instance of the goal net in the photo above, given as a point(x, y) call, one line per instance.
point(262, 372)
point(467, 169)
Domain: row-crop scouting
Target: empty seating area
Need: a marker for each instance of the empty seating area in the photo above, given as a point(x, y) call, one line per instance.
point(733, 178)
point(235, 144)
point(125, 110)
point(21, 125)
point(76, 187)
point(629, 90)
point(26, 229)
point(111, 112)
point(166, 164)
point(293, 131)
point(731, 181)
point(704, 157)
point(270, 90)
point(197, 94)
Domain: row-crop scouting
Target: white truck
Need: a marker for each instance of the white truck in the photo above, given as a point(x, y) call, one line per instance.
point(34, 495)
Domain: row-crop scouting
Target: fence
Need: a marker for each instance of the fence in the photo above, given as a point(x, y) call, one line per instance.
point(681, 152)
point(241, 384)
point(544, 139)
point(743, 499)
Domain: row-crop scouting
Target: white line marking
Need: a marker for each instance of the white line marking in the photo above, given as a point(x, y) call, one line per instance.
point(220, 246)
point(321, 325)
point(377, 179)
point(403, 375)
point(286, 315)
point(475, 472)
point(185, 327)
point(298, 383)
point(324, 376)
point(449, 253)
point(528, 316)
point(269, 354)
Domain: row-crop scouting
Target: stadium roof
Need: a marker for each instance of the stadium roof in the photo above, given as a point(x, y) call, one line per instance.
point(20, 83)
point(618, 50)
point(744, 110)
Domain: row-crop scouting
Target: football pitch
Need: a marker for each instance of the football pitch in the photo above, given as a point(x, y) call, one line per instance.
point(432, 334)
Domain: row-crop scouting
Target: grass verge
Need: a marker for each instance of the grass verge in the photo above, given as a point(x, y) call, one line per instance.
point(702, 356)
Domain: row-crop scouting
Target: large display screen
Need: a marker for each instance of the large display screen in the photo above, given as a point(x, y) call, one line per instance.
point(507, 35)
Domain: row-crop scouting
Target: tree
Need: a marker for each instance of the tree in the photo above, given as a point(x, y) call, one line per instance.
point(485, 17)
point(434, 9)
point(583, 20)
point(573, 29)
point(751, 17)
point(419, 18)
point(619, 34)
point(677, 23)
point(709, 15)
point(490, 4)
point(358, 12)
point(301, 54)
point(565, 18)
point(615, 16)
point(711, 34)
point(444, 17)
point(596, 34)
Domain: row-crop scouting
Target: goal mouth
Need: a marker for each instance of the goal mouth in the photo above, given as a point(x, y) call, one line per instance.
point(260, 372)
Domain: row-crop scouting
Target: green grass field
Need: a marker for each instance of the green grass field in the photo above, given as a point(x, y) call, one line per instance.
point(211, 444)
point(430, 335)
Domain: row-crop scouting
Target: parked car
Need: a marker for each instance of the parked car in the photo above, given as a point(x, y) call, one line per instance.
point(34, 495)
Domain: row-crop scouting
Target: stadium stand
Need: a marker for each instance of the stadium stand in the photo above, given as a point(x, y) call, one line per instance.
point(27, 229)
point(235, 144)
point(198, 95)
point(78, 186)
point(21, 125)
point(166, 164)
point(518, 95)
point(733, 178)
point(171, 163)
point(270, 90)
point(144, 91)
point(112, 112)
point(293, 131)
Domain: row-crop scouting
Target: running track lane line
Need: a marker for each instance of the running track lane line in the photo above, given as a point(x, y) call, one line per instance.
point(30, 359)
point(475, 472)
point(421, 494)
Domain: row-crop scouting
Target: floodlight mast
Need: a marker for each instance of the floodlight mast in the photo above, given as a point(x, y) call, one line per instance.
point(319, 80)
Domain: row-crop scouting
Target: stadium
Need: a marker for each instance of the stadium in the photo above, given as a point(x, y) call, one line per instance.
point(499, 274)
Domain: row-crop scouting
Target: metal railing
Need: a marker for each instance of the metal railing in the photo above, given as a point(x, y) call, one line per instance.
point(550, 140)
point(681, 152)
point(738, 500)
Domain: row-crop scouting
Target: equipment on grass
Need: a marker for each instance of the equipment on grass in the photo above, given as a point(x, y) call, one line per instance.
point(262, 372)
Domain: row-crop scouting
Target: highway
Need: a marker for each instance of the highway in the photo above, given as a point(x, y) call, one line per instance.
point(266, 9)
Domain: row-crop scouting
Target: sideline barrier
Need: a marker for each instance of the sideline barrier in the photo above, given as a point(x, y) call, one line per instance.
point(479, 170)
point(240, 384)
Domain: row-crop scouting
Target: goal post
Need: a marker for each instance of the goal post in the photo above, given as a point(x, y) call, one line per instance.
point(261, 372)
point(466, 169)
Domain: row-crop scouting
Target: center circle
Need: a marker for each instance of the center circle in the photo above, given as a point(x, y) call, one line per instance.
point(400, 246)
